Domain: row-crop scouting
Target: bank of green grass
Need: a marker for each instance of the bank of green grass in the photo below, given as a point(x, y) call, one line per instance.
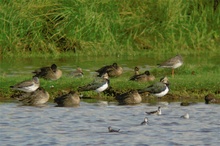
point(109, 27)
point(184, 85)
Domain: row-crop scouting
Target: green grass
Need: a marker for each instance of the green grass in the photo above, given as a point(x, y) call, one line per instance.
point(183, 84)
point(109, 27)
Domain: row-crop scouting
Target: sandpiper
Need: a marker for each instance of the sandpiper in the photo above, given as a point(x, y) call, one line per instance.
point(157, 112)
point(144, 77)
point(38, 97)
point(68, 100)
point(158, 89)
point(173, 63)
point(185, 116)
point(112, 70)
point(28, 85)
point(50, 73)
point(99, 85)
point(145, 121)
point(130, 97)
point(112, 130)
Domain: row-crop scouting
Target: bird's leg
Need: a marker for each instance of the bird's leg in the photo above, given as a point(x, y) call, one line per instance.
point(172, 72)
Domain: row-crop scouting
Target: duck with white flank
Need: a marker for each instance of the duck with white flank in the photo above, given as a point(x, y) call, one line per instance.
point(112, 130)
point(112, 70)
point(38, 97)
point(145, 121)
point(157, 112)
point(99, 84)
point(68, 100)
point(28, 85)
point(158, 89)
point(49, 73)
point(173, 63)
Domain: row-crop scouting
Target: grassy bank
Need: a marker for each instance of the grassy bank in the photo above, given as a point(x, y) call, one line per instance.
point(198, 76)
point(94, 27)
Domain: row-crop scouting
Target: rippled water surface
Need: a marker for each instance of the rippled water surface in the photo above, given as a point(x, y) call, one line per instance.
point(87, 125)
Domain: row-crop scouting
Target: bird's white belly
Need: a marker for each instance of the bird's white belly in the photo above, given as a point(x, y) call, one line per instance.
point(29, 88)
point(176, 65)
point(161, 94)
point(102, 88)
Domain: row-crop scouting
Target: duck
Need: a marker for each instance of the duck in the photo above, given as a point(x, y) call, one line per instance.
point(145, 122)
point(185, 116)
point(158, 89)
point(136, 70)
point(112, 130)
point(38, 97)
point(173, 63)
point(144, 77)
point(99, 85)
point(157, 112)
point(48, 73)
point(210, 98)
point(68, 100)
point(113, 70)
point(77, 73)
point(27, 85)
point(130, 97)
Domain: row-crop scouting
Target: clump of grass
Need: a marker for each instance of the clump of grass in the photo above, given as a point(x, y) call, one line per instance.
point(107, 27)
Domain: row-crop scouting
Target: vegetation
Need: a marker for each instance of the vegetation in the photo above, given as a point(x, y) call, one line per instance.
point(107, 27)
point(192, 81)
point(112, 28)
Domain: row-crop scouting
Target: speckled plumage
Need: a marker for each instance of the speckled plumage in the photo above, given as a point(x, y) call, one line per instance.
point(38, 97)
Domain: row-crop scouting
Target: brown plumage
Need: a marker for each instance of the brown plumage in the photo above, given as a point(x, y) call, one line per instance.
point(68, 100)
point(144, 77)
point(50, 73)
point(112, 70)
point(130, 97)
point(38, 97)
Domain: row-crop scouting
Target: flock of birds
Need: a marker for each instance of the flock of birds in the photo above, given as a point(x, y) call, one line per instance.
point(31, 93)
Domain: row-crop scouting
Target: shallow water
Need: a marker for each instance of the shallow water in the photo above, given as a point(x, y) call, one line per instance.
point(87, 125)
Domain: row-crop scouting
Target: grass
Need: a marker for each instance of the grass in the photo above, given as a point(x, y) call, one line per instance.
point(184, 84)
point(85, 28)
point(110, 27)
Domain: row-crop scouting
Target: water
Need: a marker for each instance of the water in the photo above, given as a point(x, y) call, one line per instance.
point(87, 125)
